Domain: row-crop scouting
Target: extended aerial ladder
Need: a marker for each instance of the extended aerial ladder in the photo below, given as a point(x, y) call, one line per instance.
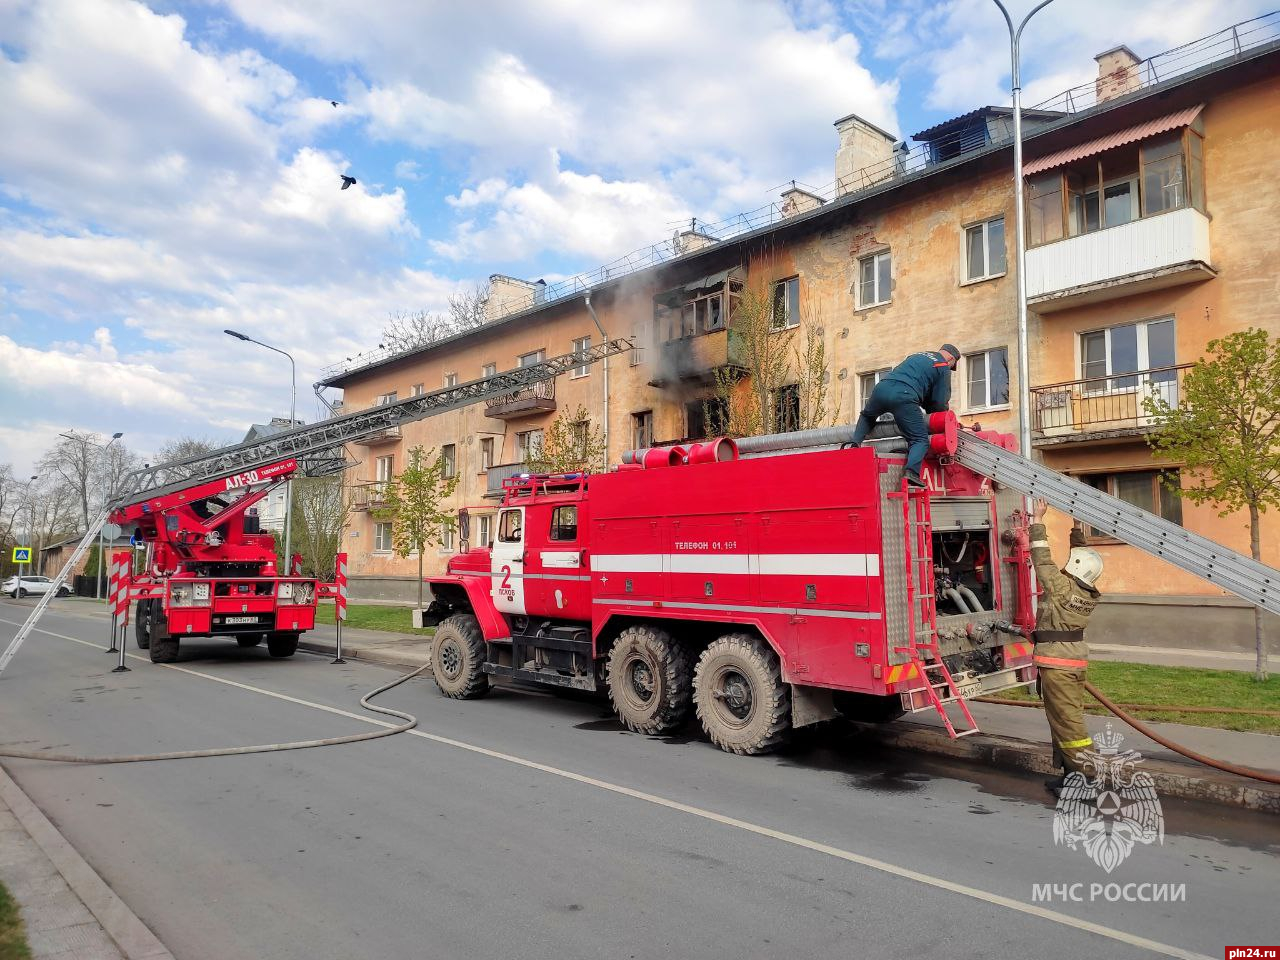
point(312, 445)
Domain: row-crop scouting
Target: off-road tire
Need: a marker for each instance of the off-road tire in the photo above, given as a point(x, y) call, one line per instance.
point(281, 645)
point(649, 680)
point(867, 707)
point(142, 625)
point(249, 639)
point(457, 658)
point(164, 647)
point(742, 701)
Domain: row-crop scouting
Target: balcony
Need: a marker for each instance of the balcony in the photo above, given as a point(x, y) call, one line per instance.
point(1148, 254)
point(368, 495)
point(499, 472)
point(695, 359)
point(526, 402)
point(1104, 408)
point(384, 436)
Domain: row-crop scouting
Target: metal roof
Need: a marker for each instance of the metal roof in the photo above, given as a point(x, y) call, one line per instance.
point(1140, 131)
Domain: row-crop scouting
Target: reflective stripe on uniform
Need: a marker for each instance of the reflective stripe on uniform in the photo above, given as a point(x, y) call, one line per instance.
point(1067, 664)
point(1039, 543)
point(1075, 744)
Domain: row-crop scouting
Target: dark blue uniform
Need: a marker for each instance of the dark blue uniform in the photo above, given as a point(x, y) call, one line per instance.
point(921, 380)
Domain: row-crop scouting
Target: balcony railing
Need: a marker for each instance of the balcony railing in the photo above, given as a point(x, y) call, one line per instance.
point(499, 472)
point(1147, 254)
point(695, 359)
point(1102, 407)
point(368, 494)
point(538, 398)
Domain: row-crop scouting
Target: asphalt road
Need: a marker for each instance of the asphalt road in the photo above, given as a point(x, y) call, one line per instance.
point(530, 826)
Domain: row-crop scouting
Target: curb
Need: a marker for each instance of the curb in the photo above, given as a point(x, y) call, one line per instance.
point(133, 938)
point(376, 654)
point(1171, 779)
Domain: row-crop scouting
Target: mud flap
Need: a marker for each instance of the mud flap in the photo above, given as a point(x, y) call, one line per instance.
point(810, 705)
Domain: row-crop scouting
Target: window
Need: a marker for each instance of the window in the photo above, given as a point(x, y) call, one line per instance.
point(786, 408)
point(385, 398)
point(486, 453)
point(446, 536)
point(489, 370)
point(1130, 348)
point(641, 429)
point(564, 523)
point(528, 445)
point(707, 417)
point(987, 379)
point(984, 254)
point(529, 359)
point(874, 279)
point(580, 435)
point(1148, 489)
point(383, 468)
point(866, 383)
point(1044, 208)
point(382, 537)
point(677, 314)
point(580, 348)
point(485, 529)
point(449, 454)
point(450, 380)
point(510, 529)
point(1164, 179)
point(639, 334)
point(786, 304)
point(418, 389)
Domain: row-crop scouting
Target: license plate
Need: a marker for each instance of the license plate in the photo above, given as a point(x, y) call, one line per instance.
point(240, 620)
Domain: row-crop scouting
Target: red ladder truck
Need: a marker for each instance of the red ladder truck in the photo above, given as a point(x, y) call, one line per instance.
point(763, 592)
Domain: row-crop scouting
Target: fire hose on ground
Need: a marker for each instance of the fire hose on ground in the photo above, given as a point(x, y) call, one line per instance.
point(410, 722)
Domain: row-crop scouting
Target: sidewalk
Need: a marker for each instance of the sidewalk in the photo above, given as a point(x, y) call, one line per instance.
point(68, 911)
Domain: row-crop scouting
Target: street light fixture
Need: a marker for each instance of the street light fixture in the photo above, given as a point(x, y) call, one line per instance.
point(293, 419)
point(1024, 385)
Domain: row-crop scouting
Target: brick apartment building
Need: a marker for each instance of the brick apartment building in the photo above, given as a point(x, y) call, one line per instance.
point(1150, 208)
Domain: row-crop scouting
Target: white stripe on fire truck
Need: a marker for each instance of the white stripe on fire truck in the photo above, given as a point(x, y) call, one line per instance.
point(743, 608)
point(772, 564)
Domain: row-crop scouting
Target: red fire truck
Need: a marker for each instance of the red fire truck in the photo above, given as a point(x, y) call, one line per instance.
point(210, 571)
point(765, 589)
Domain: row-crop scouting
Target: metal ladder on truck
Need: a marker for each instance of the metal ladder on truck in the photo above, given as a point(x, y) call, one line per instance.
point(312, 444)
point(924, 650)
point(1233, 572)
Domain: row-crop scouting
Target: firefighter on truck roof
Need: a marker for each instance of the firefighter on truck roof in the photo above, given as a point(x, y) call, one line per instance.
point(921, 380)
point(1061, 652)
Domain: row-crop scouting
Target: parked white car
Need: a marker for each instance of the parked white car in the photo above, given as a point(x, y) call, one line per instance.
point(20, 587)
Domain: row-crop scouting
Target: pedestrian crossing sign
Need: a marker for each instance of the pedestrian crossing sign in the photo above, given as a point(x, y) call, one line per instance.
point(21, 554)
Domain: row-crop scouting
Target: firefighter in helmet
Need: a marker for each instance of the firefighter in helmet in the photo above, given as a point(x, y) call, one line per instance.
point(921, 380)
point(1061, 652)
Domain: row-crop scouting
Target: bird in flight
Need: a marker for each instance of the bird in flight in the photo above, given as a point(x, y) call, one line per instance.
point(347, 181)
point(333, 102)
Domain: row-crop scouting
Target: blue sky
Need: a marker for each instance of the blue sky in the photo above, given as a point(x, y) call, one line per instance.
point(171, 169)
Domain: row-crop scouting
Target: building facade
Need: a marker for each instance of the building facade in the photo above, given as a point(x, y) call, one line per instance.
point(1149, 234)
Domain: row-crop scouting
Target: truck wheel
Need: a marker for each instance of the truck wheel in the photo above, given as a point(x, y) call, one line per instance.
point(142, 625)
point(280, 645)
point(648, 678)
point(20, 594)
point(457, 658)
point(248, 639)
point(742, 701)
point(164, 647)
point(868, 708)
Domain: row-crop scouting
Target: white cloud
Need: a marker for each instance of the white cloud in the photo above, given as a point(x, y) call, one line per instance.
point(408, 170)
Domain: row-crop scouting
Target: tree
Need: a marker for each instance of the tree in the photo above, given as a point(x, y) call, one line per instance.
point(320, 510)
point(466, 311)
point(183, 448)
point(74, 459)
point(570, 444)
point(1226, 428)
point(413, 505)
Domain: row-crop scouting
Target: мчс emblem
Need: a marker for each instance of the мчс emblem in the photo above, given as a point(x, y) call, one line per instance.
point(1110, 807)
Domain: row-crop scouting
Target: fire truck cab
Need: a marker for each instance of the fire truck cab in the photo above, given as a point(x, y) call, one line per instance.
point(762, 592)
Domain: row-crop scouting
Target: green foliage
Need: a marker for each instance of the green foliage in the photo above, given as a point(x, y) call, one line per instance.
point(570, 444)
point(13, 942)
point(320, 509)
point(93, 561)
point(413, 505)
point(1226, 429)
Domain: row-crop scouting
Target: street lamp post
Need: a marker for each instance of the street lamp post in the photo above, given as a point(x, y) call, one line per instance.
point(1024, 384)
point(293, 409)
point(31, 524)
point(97, 590)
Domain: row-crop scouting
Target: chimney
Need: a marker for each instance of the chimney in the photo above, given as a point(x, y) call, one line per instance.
point(1118, 73)
point(795, 200)
point(865, 154)
point(686, 241)
point(509, 295)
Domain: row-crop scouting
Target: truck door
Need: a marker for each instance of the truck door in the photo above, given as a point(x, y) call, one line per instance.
point(565, 580)
point(508, 562)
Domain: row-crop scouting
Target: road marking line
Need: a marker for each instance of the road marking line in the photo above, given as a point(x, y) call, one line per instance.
point(882, 866)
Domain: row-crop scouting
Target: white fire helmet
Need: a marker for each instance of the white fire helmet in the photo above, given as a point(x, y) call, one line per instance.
point(1085, 564)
